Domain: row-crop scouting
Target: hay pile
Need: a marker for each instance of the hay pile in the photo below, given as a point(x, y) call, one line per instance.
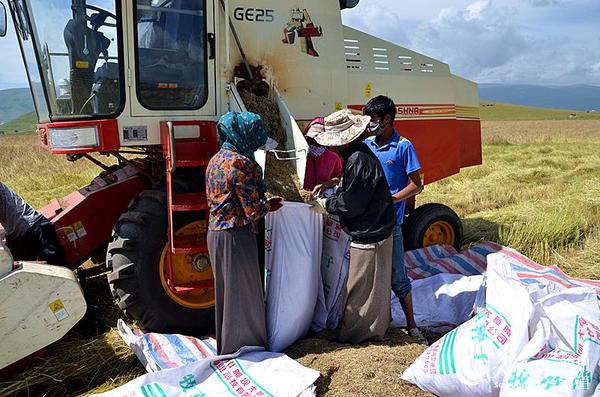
point(269, 111)
point(372, 369)
point(282, 181)
point(75, 366)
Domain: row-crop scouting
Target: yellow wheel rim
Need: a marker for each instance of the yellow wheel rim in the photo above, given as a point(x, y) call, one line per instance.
point(189, 269)
point(439, 233)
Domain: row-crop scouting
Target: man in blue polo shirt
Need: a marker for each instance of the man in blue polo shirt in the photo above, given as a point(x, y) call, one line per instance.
point(402, 170)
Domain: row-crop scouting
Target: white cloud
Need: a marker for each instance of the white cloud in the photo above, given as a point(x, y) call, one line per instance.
point(479, 37)
point(500, 41)
point(386, 21)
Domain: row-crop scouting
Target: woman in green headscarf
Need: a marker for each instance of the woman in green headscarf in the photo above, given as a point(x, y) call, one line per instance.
point(235, 191)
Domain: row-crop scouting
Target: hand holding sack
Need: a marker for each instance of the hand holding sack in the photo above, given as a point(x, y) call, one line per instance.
point(320, 206)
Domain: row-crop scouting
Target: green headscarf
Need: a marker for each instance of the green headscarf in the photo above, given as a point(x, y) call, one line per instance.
point(244, 133)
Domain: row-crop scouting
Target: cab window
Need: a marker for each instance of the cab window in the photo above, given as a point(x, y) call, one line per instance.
point(171, 54)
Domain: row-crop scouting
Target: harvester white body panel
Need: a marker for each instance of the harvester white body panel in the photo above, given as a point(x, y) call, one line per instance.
point(39, 304)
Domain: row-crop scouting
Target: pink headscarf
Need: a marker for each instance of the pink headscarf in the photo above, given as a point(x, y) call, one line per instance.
point(315, 127)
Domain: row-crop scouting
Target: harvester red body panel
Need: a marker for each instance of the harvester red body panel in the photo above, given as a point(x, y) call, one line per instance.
point(85, 218)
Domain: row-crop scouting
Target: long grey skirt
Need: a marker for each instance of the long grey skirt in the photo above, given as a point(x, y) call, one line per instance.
point(240, 305)
point(367, 313)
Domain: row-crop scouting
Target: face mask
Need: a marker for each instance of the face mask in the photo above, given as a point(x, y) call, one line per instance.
point(316, 151)
point(375, 128)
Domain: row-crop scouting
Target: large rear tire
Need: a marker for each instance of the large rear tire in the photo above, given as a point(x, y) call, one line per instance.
point(432, 224)
point(134, 256)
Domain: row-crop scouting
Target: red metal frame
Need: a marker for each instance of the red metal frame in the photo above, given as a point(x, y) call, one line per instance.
point(189, 152)
point(108, 135)
point(84, 219)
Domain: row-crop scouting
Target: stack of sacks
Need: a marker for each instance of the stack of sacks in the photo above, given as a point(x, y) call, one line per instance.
point(531, 317)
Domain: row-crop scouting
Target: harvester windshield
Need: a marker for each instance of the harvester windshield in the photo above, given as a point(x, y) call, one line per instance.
point(71, 50)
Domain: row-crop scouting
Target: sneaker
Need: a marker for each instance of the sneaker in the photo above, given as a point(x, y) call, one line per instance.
point(415, 333)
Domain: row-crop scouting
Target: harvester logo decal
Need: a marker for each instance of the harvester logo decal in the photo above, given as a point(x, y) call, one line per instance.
point(301, 26)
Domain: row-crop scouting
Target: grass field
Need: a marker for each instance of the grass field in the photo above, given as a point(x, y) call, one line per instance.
point(493, 111)
point(538, 192)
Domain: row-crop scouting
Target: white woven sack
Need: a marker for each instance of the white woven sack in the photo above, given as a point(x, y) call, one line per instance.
point(472, 359)
point(250, 372)
point(562, 358)
point(293, 257)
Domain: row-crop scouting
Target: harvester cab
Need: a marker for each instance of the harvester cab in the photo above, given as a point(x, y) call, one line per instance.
point(145, 81)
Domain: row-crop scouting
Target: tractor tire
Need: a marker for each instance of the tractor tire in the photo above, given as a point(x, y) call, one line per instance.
point(133, 257)
point(432, 224)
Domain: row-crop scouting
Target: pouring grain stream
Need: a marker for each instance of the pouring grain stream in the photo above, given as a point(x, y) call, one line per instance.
point(280, 175)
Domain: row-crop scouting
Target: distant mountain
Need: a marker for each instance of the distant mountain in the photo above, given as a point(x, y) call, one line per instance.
point(24, 124)
point(575, 97)
point(14, 103)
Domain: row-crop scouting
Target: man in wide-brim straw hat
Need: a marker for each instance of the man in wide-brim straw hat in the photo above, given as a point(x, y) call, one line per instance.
point(364, 205)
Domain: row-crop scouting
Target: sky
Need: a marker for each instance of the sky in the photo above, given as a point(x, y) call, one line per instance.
point(543, 42)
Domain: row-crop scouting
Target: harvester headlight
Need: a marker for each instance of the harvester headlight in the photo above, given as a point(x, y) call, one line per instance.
point(71, 138)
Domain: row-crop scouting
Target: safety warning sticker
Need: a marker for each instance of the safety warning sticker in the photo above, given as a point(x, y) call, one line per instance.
point(70, 233)
point(79, 230)
point(58, 309)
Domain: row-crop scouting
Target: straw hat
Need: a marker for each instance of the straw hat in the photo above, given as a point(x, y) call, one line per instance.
point(342, 128)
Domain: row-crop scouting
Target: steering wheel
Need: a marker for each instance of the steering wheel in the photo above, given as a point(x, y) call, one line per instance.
point(99, 20)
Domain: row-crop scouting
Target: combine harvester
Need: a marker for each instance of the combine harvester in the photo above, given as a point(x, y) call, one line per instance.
point(145, 82)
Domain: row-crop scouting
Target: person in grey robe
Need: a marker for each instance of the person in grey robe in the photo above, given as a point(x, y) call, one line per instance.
point(235, 190)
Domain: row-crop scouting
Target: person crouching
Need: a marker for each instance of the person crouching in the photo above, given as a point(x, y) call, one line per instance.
point(235, 190)
point(365, 208)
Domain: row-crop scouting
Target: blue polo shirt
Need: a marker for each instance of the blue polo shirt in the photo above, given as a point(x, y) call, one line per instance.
point(399, 159)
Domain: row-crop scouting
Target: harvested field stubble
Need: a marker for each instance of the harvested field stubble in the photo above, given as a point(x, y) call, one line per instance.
point(37, 175)
point(538, 191)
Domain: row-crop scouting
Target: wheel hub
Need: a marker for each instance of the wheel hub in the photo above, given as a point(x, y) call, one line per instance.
point(439, 233)
point(201, 262)
point(192, 275)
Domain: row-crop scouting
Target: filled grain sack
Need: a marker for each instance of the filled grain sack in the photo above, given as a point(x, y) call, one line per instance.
point(471, 360)
point(249, 372)
point(562, 358)
point(293, 246)
point(443, 301)
point(335, 262)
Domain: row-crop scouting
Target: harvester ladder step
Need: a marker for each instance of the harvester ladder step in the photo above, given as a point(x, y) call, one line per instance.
point(186, 153)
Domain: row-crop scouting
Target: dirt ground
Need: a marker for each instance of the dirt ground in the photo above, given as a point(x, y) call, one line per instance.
point(372, 369)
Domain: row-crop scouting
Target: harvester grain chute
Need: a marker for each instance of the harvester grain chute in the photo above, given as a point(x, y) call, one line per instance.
point(145, 81)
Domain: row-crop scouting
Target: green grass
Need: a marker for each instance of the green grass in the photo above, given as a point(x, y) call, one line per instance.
point(493, 111)
point(36, 174)
point(24, 124)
